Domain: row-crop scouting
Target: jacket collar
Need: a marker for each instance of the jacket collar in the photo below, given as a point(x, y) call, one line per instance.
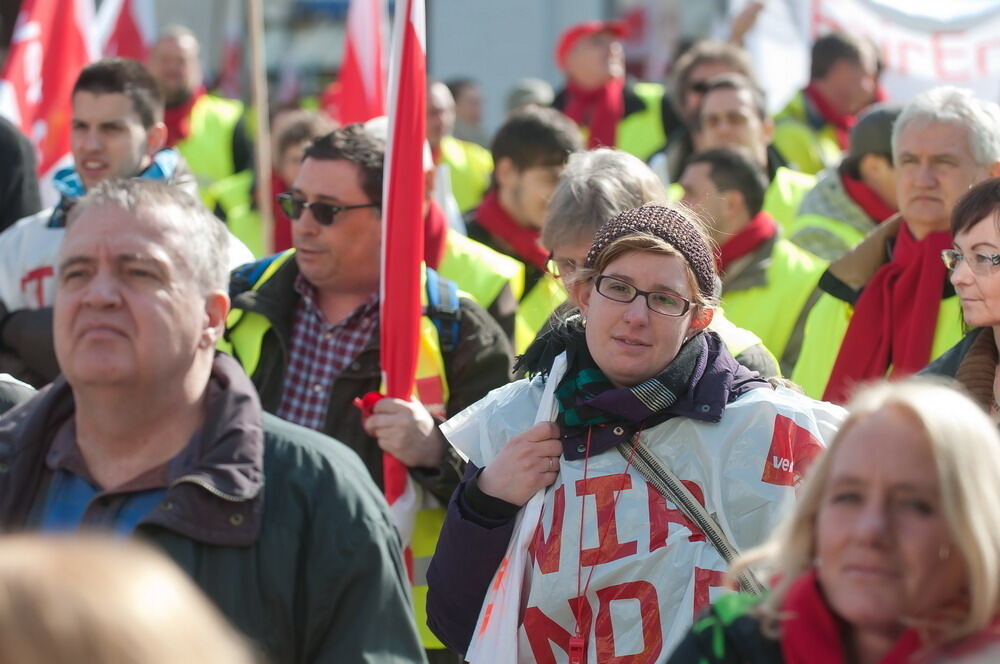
point(218, 497)
point(749, 271)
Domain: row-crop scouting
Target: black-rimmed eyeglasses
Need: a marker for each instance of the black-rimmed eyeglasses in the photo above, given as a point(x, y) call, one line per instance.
point(323, 213)
point(661, 302)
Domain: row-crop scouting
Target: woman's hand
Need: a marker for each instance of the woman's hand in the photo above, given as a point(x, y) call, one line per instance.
point(527, 463)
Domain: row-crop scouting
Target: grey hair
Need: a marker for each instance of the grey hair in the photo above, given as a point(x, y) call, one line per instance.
point(595, 186)
point(177, 32)
point(205, 237)
point(957, 106)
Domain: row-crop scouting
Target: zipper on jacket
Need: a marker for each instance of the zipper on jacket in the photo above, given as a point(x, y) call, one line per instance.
point(651, 468)
point(194, 479)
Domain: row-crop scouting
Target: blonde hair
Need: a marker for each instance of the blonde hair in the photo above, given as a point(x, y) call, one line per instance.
point(90, 599)
point(966, 450)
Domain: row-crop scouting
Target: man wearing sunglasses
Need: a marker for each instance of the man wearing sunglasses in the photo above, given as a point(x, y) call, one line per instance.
point(306, 329)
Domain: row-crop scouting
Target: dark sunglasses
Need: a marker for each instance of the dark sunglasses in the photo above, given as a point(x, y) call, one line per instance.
point(323, 213)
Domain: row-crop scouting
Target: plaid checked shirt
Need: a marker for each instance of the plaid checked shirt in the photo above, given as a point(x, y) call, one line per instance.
point(319, 352)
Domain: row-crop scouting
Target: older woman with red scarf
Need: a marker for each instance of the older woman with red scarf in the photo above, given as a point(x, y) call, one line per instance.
point(892, 555)
point(611, 112)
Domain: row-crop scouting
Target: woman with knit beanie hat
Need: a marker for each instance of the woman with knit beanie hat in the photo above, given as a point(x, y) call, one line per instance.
point(607, 492)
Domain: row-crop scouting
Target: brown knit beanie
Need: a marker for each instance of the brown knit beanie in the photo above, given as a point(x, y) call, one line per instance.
point(667, 224)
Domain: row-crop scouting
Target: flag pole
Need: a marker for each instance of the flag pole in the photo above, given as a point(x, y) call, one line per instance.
point(262, 143)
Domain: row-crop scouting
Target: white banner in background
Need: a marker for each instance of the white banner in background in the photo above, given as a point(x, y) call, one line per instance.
point(921, 48)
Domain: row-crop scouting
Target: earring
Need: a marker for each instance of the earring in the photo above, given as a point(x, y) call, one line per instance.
point(583, 322)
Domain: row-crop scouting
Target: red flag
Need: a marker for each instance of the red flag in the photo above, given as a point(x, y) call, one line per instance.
point(126, 28)
point(51, 44)
point(402, 224)
point(362, 72)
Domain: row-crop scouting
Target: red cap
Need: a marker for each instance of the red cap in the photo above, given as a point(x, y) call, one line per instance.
point(577, 31)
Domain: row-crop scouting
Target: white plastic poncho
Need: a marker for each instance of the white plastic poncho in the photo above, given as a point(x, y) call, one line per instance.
point(654, 570)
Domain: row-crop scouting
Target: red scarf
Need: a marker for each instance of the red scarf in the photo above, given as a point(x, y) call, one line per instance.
point(811, 634)
point(522, 241)
point(760, 229)
point(282, 236)
point(178, 118)
point(599, 110)
point(866, 198)
point(435, 235)
point(894, 319)
point(841, 122)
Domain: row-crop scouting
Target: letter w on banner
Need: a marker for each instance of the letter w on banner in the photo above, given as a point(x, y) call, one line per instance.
point(402, 238)
point(52, 42)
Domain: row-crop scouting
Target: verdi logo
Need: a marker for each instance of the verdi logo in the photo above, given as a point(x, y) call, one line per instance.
point(793, 449)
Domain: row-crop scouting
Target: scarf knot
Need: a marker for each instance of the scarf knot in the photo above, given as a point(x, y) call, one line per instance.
point(599, 110)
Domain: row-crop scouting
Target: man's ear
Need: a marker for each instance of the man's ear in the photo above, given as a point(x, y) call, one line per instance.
point(216, 312)
point(768, 132)
point(504, 171)
point(156, 138)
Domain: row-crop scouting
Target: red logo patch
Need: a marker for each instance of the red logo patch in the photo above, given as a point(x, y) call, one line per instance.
point(793, 449)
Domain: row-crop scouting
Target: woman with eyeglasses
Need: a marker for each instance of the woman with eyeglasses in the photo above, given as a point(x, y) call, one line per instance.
point(974, 262)
point(606, 493)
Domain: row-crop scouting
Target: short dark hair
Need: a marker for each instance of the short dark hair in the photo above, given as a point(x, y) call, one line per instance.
point(354, 144)
point(732, 171)
point(304, 125)
point(459, 85)
point(836, 46)
point(737, 83)
point(536, 137)
point(128, 77)
point(976, 204)
point(708, 51)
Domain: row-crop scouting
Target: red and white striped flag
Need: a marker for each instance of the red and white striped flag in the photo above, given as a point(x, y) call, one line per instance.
point(362, 72)
point(402, 236)
point(52, 42)
point(126, 28)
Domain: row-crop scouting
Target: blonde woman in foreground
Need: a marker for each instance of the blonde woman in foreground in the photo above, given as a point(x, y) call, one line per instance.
point(65, 600)
point(892, 554)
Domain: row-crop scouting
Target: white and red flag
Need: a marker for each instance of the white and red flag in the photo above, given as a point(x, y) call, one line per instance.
point(52, 42)
point(126, 28)
point(362, 72)
point(402, 236)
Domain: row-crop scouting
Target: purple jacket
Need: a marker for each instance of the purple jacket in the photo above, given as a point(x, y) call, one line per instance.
point(471, 546)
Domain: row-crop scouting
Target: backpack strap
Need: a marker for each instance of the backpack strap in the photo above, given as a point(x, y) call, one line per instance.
point(443, 309)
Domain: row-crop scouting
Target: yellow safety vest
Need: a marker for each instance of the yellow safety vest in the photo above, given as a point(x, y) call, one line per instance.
point(737, 339)
point(641, 133)
point(479, 270)
point(535, 308)
point(784, 196)
point(771, 310)
point(470, 167)
point(234, 196)
point(827, 325)
point(246, 332)
point(208, 148)
point(826, 237)
point(805, 149)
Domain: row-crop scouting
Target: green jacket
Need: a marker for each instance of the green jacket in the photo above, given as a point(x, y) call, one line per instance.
point(217, 144)
point(728, 633)
point(784, 195)
point(279, 525)
point(470, 167)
